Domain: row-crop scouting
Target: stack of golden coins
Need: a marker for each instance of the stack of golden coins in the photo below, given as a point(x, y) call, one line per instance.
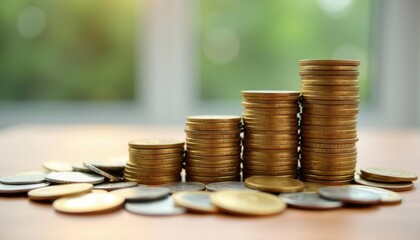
point(154, 161)
point(330, 98)
point(213, 148)
point(270, 133)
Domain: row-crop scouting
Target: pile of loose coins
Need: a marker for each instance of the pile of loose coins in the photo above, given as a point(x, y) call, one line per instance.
point(330, 98)
point(270, 133)
point(154, 161)
point(213, 148)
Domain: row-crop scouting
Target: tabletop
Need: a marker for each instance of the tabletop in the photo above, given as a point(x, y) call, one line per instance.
point(25, 147)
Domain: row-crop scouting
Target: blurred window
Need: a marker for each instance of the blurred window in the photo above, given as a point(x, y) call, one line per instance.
point(68, 50)
point(252, 44)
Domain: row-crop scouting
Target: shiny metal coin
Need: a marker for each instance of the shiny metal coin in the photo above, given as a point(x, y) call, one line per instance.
point(387, 197)
point(58, 191)
point(80, 168)
point(115, 186)
point(88, 203)
point(74, 177)
point(229, 185)
point(163, 207)
point(184, 186)
point(195, 201)
point(57, 166)
point(7, 188)
point(308, 200)
point(23, 179)
point(111, 164)
point(349, 195)
point(102, 173)
point(142, 193)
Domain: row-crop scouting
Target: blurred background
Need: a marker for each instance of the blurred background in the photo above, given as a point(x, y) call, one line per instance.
point(157, 61)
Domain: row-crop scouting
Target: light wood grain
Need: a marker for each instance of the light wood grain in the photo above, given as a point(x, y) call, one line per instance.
point(24, 148)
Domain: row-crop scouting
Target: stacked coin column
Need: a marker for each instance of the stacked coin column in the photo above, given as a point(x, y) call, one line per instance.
point(154, 162)
point(270, 133)
point(213, 148)
point(330, 101)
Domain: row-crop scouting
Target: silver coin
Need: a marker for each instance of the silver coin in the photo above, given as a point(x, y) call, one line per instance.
point(217, 186)
point(308, 200)
point(349, 195)
point(6, 188)
point(163, 207)
point(23, 179)
point(102, 173)
point(142, 193)
point(184, 186)
point(195, 201)
point(112, 164)
point(81, 168)
point(74, 177)
point(387, 197)
point(116, 185)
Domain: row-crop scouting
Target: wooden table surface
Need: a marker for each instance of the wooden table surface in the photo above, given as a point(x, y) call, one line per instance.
point(24, 148)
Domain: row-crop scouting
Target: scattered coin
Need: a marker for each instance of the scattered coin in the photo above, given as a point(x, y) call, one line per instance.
point(387, 197)
point(349, 195)
point(116, 185)
point(101, 172)
point(398, 187)
point(112, 164)
point(57, 166)
point(73, 177)
point(163, 207)
point(8, 188)
point(229, 185)
point(23, 179)
point(247, 202)
point(89, 203)
point(80, 168)
point(184, 186)
point(274, 184)
point(98, 191)
point(308, 200)
point(195, 201)
point(58, 191)
point(142, 193)
point(388, 174)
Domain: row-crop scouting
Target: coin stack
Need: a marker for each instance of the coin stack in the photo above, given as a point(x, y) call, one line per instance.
point(154, 161)
point(213, 148)
point(330, 98)
point(270, 133)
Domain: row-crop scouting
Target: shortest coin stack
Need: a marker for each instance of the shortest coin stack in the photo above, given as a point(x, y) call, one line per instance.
point(213, 148)
point(154, 161)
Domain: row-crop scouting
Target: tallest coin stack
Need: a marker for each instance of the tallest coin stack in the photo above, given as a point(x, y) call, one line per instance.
point(330, 98)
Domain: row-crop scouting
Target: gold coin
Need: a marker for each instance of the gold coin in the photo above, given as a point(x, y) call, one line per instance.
point(329, 62)
point(190, 155)
point(289, 162)
point(329, 88)
point(247, 202)
point(313, 187)
point(216, 154)
point(327, 182)
point(213, 145)
point(390, 174)
point(283, 168)
point(211, 179)
point(328, 166)
point(155, 143)
point(328, 156)
point(211, 134)
point(274, 127)
point(270, 95)
point(149, 181)
point(327, 150)
point(154, 165)
point(267, 132)
point(397, 187)
point(328, 73)
point(139, 169)
point(318, 81)
point(202, 149)
point(162, 151)
point(57, 166)
point(327, 178)
point(160, 178)
point(257, 112)
point(330, 93)
point(89, 203)
point(288, 173)
point(326, 173)
point(57, 191)
point(270, 147)
point(212, 126)
point(213, 141)
point(330, 140)
point(269, 105)
point(328, 146)
point(328, 68)
point(210, 162)
point(274, 184)
point(272, 137)
point(331, 112)
point(293, 175)
point(214, 118)
point(328, 128)
point(195, 201)
point(155, 156)
point(155, 162)
point(212, 174)
point(263, 142)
